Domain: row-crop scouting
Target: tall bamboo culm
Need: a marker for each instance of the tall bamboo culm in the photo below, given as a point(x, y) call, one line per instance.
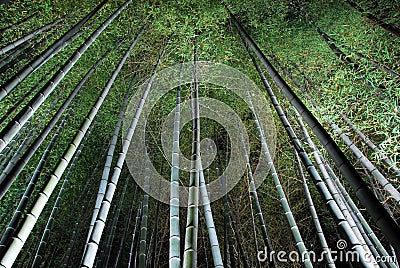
point(192, 218)
point(174, 234)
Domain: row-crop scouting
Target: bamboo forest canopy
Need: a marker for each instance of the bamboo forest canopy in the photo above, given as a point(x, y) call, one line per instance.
point(199, 133)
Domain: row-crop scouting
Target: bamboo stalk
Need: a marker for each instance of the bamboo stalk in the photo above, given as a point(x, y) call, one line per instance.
point(30, 220)
point(192, 219)
point(127, 223)
point(110, 154)
point(40, 251)
point(135, 235)
point(314, 214)
point(145, 216)
point(174, 238)
point(254, 195)
point(282, 196)
point(215, 249)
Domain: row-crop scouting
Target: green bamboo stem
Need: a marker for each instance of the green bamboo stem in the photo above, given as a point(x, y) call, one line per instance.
point(215, 249)
point(87, 194)
point(110, 155)
point(144, 221)
point(174, 237)
point(39, 168)
point(18, 23)
point(114, 223)
point(372, 145)
point(254, 195)
point(282, 196)
point(343, 193)
point(314, 214)
point(192, 219)
point(126, 227)
point(135, 236)
point(375, 148)
point(15, 107)
point(30, 220)
point(387, 26)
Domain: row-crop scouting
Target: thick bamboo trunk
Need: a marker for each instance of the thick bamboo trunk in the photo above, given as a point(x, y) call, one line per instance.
point(44, 241)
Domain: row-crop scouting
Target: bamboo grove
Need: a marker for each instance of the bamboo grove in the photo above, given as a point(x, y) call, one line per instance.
point(318, 175)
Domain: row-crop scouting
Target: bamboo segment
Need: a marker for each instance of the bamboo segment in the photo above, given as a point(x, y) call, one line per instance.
point(254, 194)
point(381, 154)
point(387, 26)
point(107, 166)
point(31, 218)
point(50, 222)
point(215, 249)
point(371, 145)
point(333, 207)
point(282, 196)
point(343, 193)
point(124, 236)
point(314, 215)
point(39, 168)
point(135, 236)
point(144, 221)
